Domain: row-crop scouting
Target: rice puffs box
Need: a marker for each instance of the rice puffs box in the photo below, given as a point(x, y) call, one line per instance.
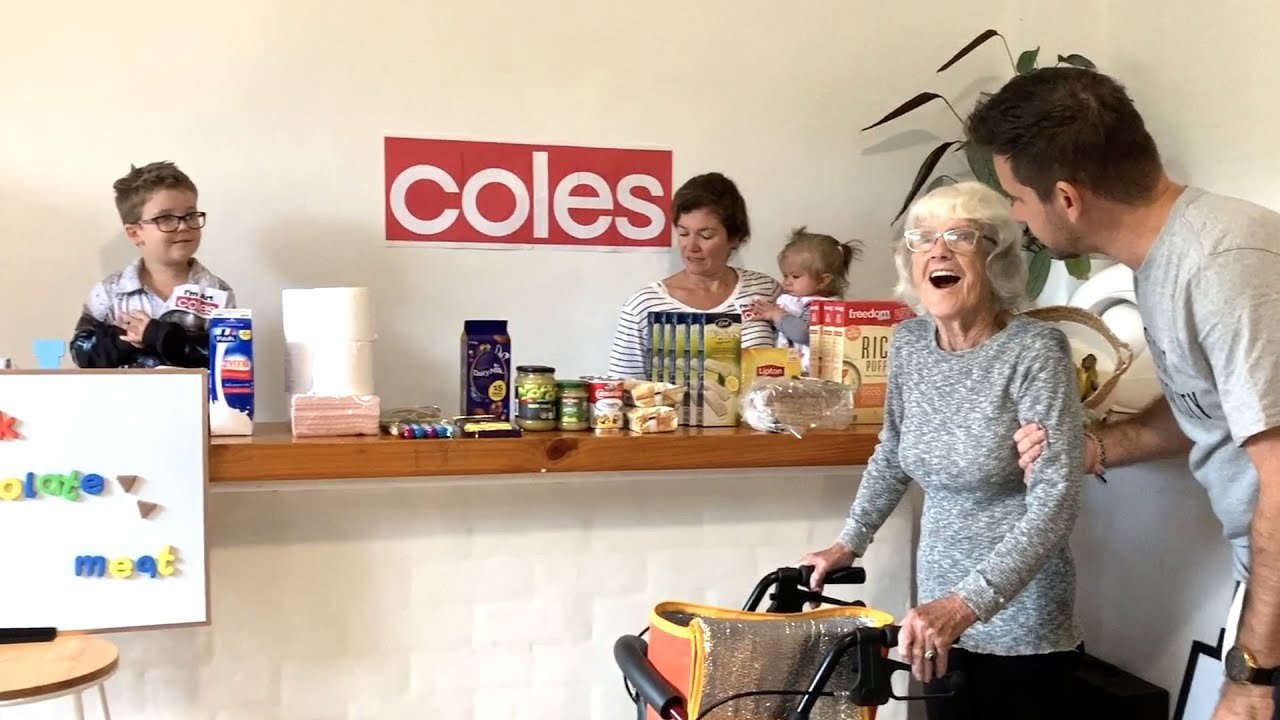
point(856, 351)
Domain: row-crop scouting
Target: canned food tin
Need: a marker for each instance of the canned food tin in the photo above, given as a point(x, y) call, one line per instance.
point(604, 398)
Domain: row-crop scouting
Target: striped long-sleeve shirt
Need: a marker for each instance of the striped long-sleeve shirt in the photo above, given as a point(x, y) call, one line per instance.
point(631, 342)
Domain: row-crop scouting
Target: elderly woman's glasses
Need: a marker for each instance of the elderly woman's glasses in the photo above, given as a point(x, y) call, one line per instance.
point(958, 239)
point(170, 223)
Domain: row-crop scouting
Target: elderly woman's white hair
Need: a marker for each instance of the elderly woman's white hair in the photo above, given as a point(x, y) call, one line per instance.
point(975, 203)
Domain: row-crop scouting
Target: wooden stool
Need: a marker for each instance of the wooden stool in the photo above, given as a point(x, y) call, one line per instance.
point(71, 664)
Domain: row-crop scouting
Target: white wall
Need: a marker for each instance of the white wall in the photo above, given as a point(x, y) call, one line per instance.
point(278, 111)
point(480, 600)
point(323, 599)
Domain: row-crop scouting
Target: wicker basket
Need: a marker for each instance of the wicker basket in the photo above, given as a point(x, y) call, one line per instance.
point(1096, 404)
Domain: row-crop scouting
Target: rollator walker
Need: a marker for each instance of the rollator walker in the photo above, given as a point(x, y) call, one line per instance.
point(830, 663)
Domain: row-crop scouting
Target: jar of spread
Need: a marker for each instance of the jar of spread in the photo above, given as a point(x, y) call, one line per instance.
point(535, 398)
point(574, 411)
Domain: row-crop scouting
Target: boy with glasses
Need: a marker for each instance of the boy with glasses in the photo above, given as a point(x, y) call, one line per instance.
point(154, 311)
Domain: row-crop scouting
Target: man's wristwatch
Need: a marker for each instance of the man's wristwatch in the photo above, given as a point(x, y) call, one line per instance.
point(1242, 669)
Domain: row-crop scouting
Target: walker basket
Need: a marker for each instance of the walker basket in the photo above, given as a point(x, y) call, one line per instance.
point(786, 662)
point(710, 654)
point(1115, 359)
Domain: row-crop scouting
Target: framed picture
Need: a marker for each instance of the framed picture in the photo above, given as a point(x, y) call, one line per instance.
point(1202, 682)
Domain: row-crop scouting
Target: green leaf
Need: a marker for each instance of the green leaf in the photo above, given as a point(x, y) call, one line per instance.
point(938, 182)
point(1079, 61)
point(1037, 273)
point(923, 98)
point(1079, 267)
point(922, 175)
point(973, 44)
point(1027, 61)
point(983, 167)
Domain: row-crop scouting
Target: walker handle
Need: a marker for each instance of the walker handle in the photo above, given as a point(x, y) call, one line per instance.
point(855, 575)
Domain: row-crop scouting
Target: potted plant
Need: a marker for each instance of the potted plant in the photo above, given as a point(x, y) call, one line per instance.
point(979, 160)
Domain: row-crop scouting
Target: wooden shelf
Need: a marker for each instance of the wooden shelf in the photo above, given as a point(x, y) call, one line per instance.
point(271, 453)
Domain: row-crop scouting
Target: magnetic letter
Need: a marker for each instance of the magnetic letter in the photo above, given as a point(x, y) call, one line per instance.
point(147, 565)
point(70, 486)
point(166, 559)
point(31, 485)
point(121, 567)
point(91, 565)
point(92, 483)
point(50, 484)
point(10, 489)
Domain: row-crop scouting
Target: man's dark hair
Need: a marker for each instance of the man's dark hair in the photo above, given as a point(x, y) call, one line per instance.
point(717, 193)
point(1069, 124)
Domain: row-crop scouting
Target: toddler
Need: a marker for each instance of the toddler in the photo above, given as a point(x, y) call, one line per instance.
point(814, 267)
point(154, 311)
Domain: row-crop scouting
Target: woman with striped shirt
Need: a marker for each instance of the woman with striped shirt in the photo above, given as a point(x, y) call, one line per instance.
point(710, 219)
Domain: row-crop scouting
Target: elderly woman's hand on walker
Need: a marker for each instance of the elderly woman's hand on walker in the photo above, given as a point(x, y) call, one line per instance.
point(928, 631)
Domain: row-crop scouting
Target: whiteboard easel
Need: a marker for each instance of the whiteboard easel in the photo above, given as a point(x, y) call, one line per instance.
point(110, 473)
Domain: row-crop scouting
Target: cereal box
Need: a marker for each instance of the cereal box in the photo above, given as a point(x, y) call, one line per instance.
point(817, 319)
point(860, 354)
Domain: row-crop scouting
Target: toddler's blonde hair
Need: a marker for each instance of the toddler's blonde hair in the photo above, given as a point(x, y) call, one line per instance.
point(816, 255)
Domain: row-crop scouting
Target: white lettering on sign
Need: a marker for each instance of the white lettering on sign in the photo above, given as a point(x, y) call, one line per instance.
point(546, 196)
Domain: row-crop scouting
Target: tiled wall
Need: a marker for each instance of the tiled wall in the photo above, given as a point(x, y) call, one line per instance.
point(478, 600)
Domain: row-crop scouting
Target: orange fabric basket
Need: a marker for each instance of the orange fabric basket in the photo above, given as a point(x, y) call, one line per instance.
point(708, 652)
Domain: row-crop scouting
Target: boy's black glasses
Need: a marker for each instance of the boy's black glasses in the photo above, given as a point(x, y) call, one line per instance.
point(170, 223)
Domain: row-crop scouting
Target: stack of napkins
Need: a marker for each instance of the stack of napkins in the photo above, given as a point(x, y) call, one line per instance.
point(334, 415)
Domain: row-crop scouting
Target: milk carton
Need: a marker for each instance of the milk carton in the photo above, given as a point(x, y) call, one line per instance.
point(231, 372)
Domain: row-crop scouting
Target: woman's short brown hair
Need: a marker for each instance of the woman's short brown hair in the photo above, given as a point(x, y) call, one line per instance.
point(717, 193)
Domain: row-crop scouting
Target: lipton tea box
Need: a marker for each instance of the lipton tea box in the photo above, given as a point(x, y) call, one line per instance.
point(773, 362)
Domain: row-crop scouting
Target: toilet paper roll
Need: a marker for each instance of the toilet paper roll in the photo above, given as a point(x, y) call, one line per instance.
point(327, 314)
point(329, 368)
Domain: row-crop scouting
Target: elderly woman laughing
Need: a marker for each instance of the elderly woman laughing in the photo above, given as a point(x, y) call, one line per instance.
point(995, 575)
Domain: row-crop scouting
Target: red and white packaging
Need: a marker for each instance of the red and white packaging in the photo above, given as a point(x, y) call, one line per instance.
point(496, 194)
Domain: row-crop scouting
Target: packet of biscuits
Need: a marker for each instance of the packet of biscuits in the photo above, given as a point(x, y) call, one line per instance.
point(646, 393)
point(652, 419)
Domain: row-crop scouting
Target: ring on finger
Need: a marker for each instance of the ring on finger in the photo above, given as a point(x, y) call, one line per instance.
point(930, 654)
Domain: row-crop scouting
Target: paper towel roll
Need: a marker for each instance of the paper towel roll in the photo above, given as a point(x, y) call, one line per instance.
point(327, 314)
point(329, 368)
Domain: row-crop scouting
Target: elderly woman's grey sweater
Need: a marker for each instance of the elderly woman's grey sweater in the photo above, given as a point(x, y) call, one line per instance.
point(999, 542)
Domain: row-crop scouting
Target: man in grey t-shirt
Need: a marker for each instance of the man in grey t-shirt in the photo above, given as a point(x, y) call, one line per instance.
point(1085, 175)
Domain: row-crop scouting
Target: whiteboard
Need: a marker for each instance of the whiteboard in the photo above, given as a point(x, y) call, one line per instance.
point(76, 552)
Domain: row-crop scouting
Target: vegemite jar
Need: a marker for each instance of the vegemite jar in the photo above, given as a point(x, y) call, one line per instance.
point(574, 411)
point(535, 398)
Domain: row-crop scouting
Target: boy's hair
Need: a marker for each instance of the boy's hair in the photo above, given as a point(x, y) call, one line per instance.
point(1069, 124)
point(136, 188)
point(717, 193)
point(819, 254)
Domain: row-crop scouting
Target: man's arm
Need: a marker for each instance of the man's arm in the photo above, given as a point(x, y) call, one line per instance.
point(1150, 435)
point(1260, 620)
